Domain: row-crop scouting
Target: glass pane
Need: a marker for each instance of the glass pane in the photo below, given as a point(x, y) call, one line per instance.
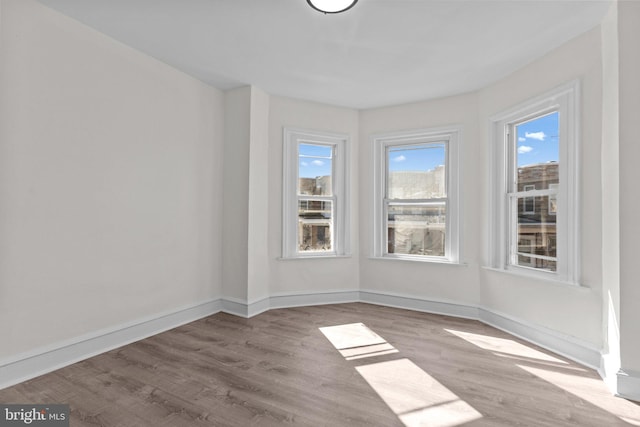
point(417, 229)
point(315, 150)
point(528, 204)
point(417, 171)
point(536, 234)
point(315, 226)
point(538, 152)
point(315, 166)
point(553, 200)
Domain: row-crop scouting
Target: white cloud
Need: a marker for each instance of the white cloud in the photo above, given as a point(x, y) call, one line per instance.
point(304, 164)
point(400, 158)
point(317, 163)
point(524, 149)
point(521, 139)
point(540, 136)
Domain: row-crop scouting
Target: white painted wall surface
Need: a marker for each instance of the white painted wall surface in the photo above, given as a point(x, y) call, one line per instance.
point(574, 311)
point(439, 282)
point(629, 68)
point(610, 197)
point(309, 275)
point(110, 183)
point(235, 207)
point(259, 200)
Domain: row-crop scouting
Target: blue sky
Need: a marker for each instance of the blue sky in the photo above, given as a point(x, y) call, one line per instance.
point(314, 160)
point(537, 140)
point(420, 158)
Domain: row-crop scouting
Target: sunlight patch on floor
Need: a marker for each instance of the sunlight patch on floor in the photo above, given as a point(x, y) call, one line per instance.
point(593, 390)
point(357, 341)
point(367, 351)
point(351, 335)
point(505, 346)
point(415, 396)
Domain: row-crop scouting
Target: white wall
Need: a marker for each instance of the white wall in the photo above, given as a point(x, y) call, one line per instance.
point(110, 183)
point(309, 275)
point(438, 282)
point(610, 197)
point(629, 72)
point(573, 311)
point(259, 200)
point(235, 206)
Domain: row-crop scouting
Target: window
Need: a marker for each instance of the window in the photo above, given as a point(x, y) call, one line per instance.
point(314, 194)
point(535, 187)
point(416, 195)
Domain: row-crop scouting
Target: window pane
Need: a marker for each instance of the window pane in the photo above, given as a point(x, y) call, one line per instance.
point(538, 152)
point(417, 229)
point(528, 204)
point(315, 166)
point(553, 200)
point(536, 235)
point(315, 226)
point(315, 150)
point(416, 172)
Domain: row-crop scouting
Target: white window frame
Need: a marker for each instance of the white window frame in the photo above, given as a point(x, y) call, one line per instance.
point(292, 138)
point(566, 100)
point(451, 136)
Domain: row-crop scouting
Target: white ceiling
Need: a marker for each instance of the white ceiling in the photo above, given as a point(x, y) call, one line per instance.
point(381, 52)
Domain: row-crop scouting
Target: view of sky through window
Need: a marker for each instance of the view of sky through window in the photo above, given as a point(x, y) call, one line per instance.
point(538, 140)
point(314, 160)
point(420, 158)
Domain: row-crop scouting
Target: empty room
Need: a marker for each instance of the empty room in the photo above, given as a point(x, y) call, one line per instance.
point(319, 213)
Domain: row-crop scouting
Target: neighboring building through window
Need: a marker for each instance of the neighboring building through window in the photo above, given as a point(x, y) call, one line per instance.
point(416, 206)
point(529, 203)
point(314, 194)
point(553, 200)
point(535, 218)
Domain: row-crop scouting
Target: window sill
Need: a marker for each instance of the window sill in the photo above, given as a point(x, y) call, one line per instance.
point(328, 256)
point(419, 259)
point(540, 277)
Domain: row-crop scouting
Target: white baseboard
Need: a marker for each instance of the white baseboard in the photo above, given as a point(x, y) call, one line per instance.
point(608, 370)
point(564, 345)
point(285, 300)
point(628, 384)
point(40, 361)
point(43, 360)
point(235, 306)
point(407, 302)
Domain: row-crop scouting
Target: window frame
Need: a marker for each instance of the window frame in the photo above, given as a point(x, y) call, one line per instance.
point(292, 138)
point(566, 100)
point(451, 136)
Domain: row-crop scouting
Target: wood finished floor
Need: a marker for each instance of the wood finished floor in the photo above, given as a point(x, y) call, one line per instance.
point(279, 369)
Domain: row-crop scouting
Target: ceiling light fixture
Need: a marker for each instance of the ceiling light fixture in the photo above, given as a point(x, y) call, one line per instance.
point(332, 6)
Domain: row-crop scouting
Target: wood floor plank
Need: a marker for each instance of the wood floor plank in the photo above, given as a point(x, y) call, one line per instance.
point(278, 368)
